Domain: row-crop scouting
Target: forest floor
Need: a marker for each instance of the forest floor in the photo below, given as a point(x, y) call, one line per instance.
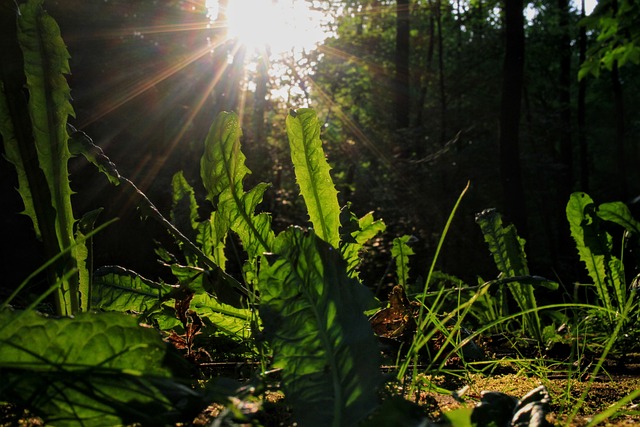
point(603, 392)
point(591, 395)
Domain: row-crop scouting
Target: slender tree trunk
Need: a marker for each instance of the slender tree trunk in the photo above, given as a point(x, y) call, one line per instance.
point(564, 134)
point(561, 243)
point(402, 84)
point(443, 97)
point(618, 101)
point(582, 94)
point(428, 67)
point(510, 171)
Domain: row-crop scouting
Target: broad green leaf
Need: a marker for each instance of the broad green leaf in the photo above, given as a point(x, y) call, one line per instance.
point(312, 174)
point(223, 170)
point(401, 251)
point(313, 317)
point(224, 287)
point(92, 370)
point(460, 417)
point(118, 289)
point(620, 214)
point(355, 233)
point(228, 319)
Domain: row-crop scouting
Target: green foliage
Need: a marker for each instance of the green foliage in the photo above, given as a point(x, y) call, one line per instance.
point(401, 251)
point(313, 317)
point(356, 232)
point(595, 247)
point(618, 41)
point(223, 171)
point(91, 370)
point(312, 174)
point(119, 289)
point(507, 250)
point(40, 152)
point(209, 235)
point(619, 213)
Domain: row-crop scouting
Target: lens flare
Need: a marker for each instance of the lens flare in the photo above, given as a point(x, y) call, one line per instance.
point(277, 25)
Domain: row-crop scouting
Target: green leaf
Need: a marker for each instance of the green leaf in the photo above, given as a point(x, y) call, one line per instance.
point(92, 370)
point(223, 170)
point(507, 249)
point(594, 248)
point(397, 411)
point(184, 209)
point(312, 314)
point(12, 151)
point(118, 289)
point(401, 251)
point(81, 144)
point(45, 61)
point(357, 232)
point(312, 174)
point(226, 289)
point(211, 237)
point(619, 213)
point(227, 318)
point(460, 417)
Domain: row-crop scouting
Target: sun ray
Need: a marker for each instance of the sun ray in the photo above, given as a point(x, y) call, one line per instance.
point(138, 31)
point(127, 94)
point(353, 127)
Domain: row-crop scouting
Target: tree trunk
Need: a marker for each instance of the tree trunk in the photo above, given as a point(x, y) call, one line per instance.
point(564, 95)
point(428, 67)
point(401, 89)
point(510, 171)
point(619, 119)
point(443, 98)
point(582, 96)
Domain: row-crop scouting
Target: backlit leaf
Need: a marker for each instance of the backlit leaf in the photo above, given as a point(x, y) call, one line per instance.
point(92, 370)
point(313, 317)
point(312, 174)
point(223, 170)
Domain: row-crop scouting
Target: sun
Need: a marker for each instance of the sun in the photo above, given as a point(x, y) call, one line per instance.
point(281, 26)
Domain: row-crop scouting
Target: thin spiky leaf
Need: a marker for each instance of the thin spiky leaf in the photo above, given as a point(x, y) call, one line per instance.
point(45, 61)
point(507, 249)
point(401, 251)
